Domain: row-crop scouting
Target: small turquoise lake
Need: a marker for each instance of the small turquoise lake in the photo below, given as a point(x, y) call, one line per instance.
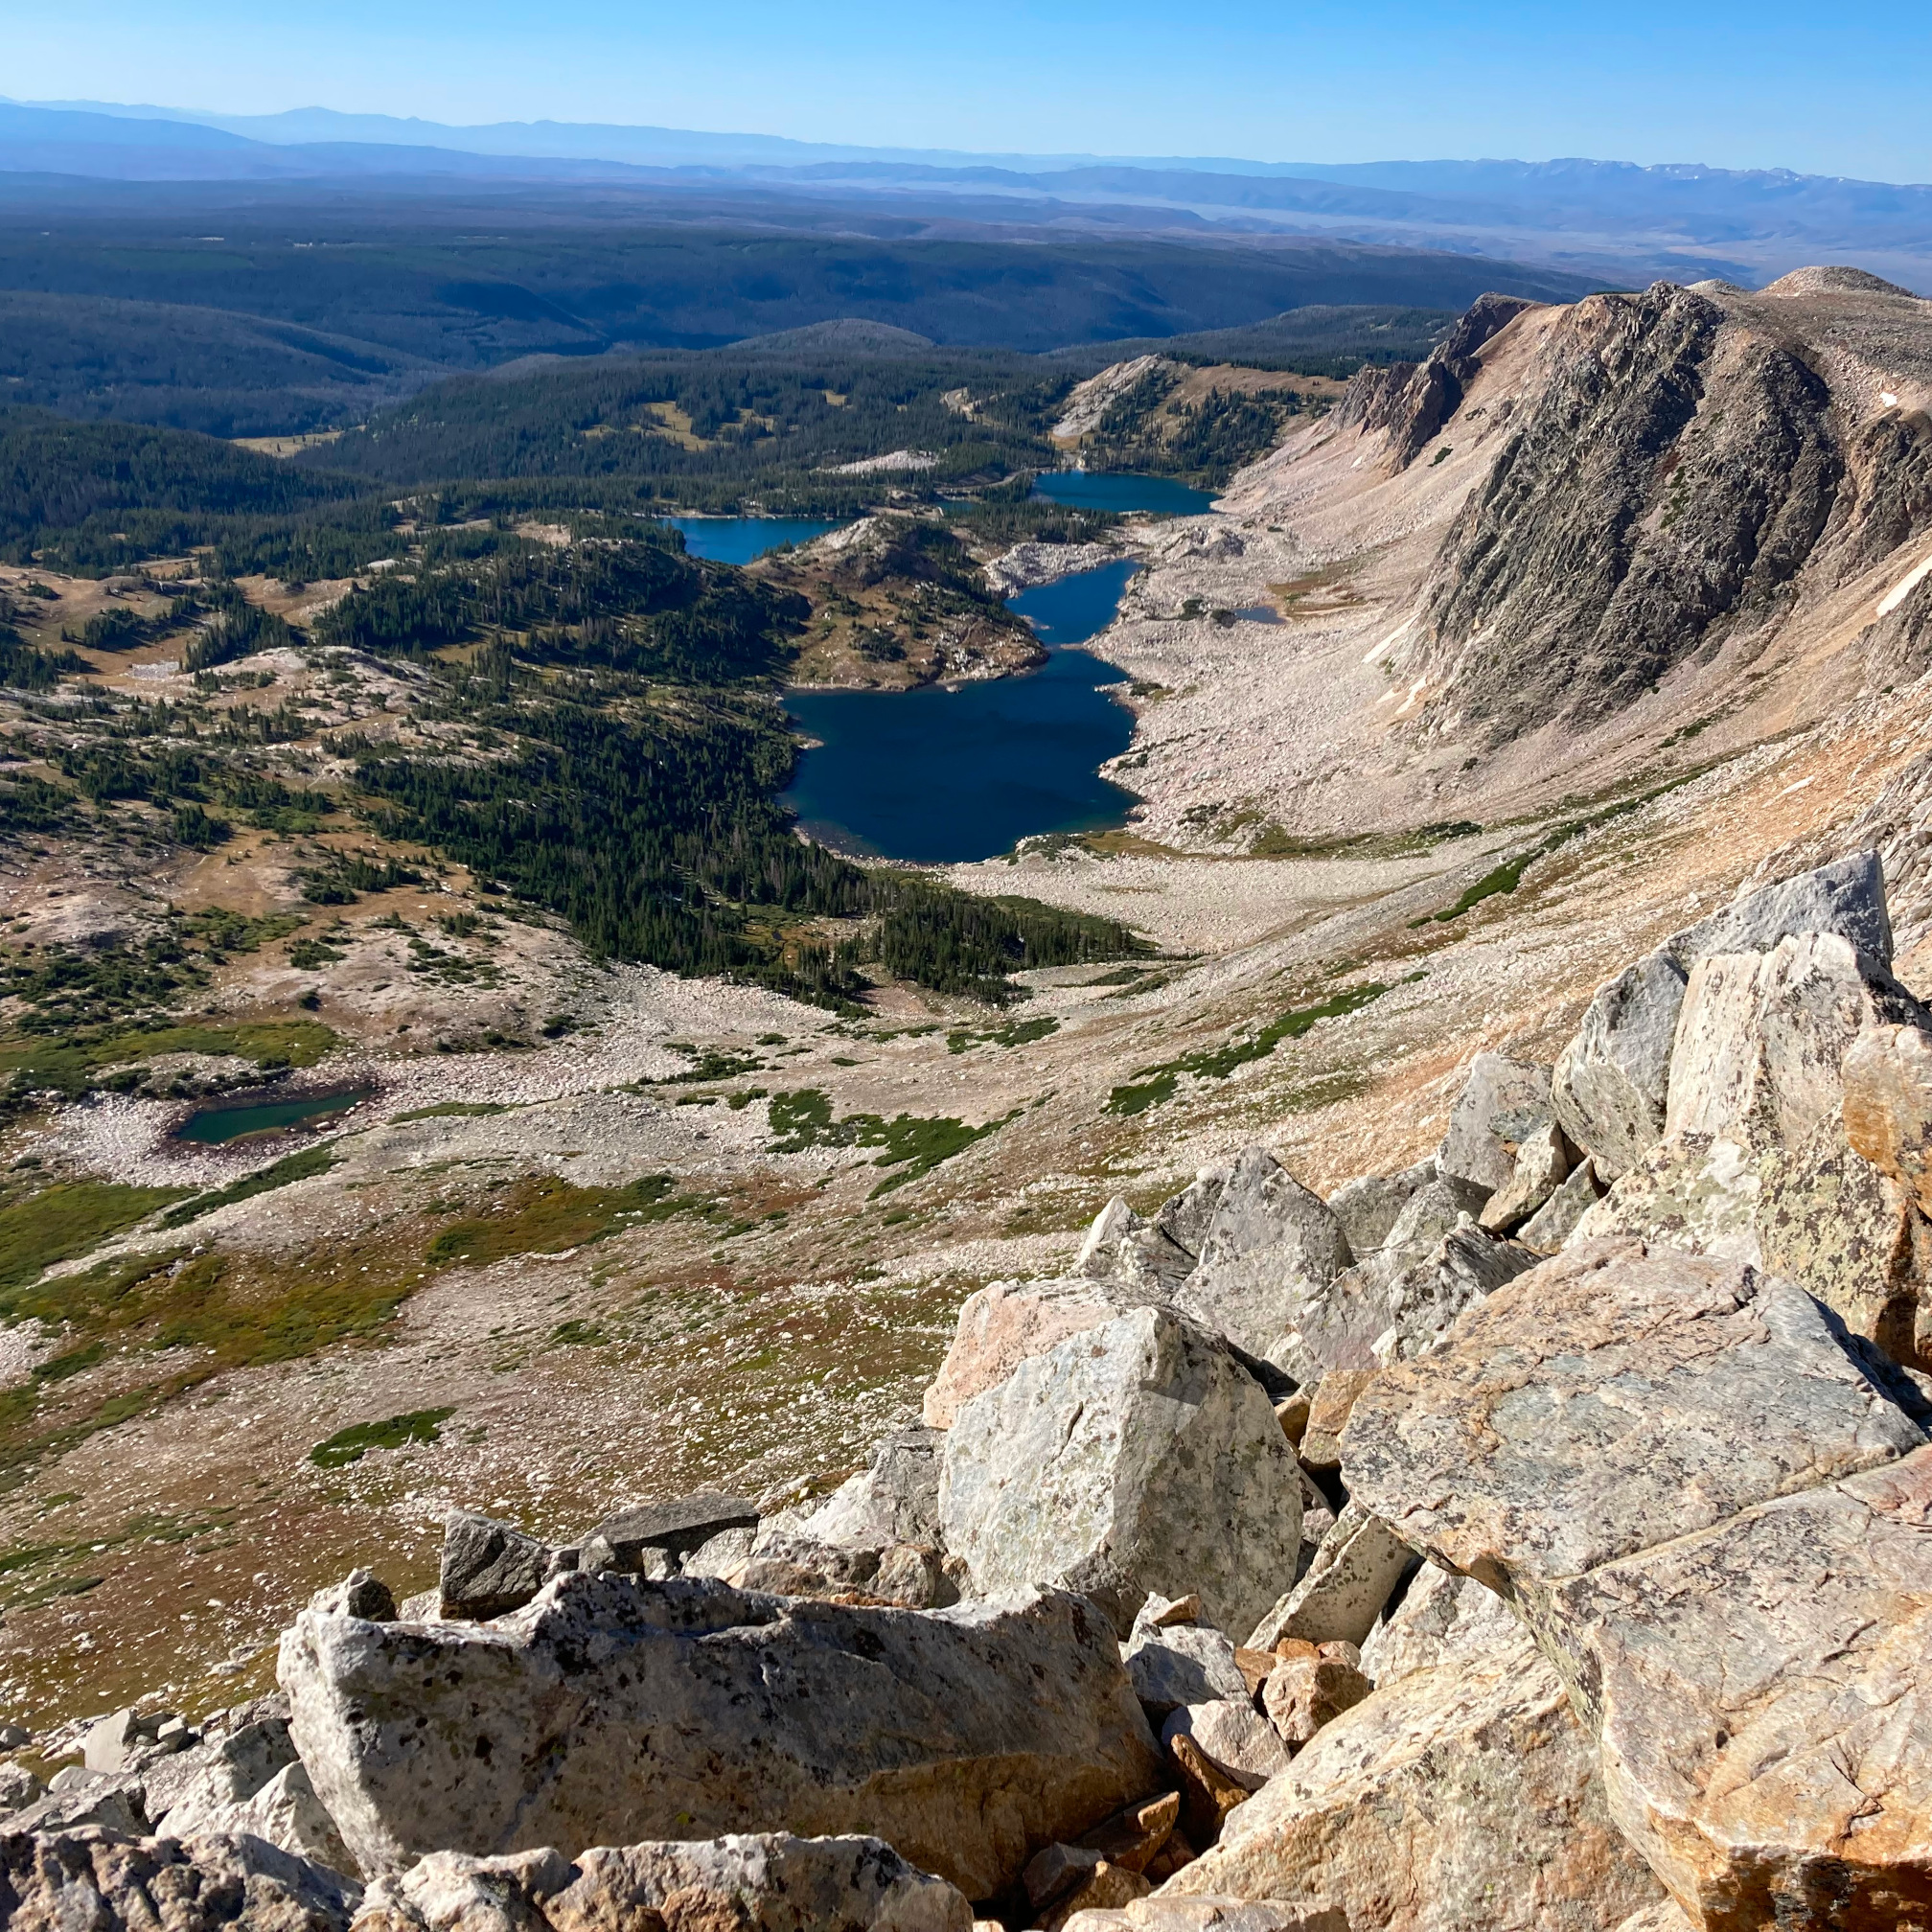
point(741, 539)
point(1125, 496)
point(943, 776)
point(264, 1114)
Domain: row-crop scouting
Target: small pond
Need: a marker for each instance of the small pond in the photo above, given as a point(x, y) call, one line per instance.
point(740, 539)
point(243, 1115)
point(1124, 494)
point(941, 777)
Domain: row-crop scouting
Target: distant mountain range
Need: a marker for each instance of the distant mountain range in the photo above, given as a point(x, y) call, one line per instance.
point(1606, 219)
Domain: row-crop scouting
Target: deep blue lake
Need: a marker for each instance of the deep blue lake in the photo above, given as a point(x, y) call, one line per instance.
point(215, 1126)
point(739, 540)
point(941, 777)
point(1101, 490)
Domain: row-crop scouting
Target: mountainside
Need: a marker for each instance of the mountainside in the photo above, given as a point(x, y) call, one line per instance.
point(917, 1280)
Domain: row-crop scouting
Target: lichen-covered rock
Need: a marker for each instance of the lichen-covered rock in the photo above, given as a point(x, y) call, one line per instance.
point(1456, 1798)
point(285, 1810)
point(757, 1882)
point(1121, 1247)
point(1269, 1243)
point(1554, 1222)
point(1712, 1504)
point(1138, 1456)
point(1503, 1104)
point(1854, 1237)
point(1543, 1163)
point(1760, 1694)
point(1443, 1618)
point(1761, 1040)
point(1008, 1322)
point(488, 1567)
point(670, 1530)
point(895, 1500)
point(1614, 1398)
point(1692, 1192)
point(1612, 1080)
point(1370, 1205)
point(613, 1709)
point(98, 1881)
point(1187, 1664)
point(1359, 1564)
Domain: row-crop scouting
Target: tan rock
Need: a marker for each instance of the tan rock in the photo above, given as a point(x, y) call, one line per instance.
point(1207, 1794)
point(1303, 1694)
point(1888, 1105)
point(1611, 1399)
point(1763, 1708)
point(1329, 1402)
point(1292, 1416)
point(1003, 1324)
point(1108, 1888)
point(1133, 1837)
point(1712, 1504)
point(1460, 1798)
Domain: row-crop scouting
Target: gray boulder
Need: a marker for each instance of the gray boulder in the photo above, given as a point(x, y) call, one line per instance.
point(77, 1796)
point(223, 1770)
point(488, 1567)
point(1543, 1163)
point(1181, 1664)
point(1186, 1217)
point(1353, 1575)
point(1232, 1736)
point(761, 1882)
point(1138, 1456)
point(1269, 1244)
point(1554, 1223)
point(285, 1811)
point(1369, 1207)
point(1502, 1103)
point(672, 1529)
point(99, 1880)
point(1612, 1079)
point(896, 1499)
point(1122, 1247)
point(360, 1593)
point(611, 1708)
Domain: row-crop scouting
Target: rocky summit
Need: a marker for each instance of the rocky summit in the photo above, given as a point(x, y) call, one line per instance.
point(1396, 1397)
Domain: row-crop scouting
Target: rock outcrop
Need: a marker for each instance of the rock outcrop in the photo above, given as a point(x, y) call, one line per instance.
point(763, 1882)
point(613, 1709)
point(1136, 1457)
point(1707, 1501)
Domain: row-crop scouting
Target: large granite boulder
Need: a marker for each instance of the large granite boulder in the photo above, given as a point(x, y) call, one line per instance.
point(1710, 1503)
point(1502, 1105)
point(894, 1500)
point(1613, 1398)
point(488, 1567)
point(1888, 1105)
point(1122, 1247)
point(1612, 1080)
point(97, 1880)
point(759, 1882)
point(1269, 1244)
point(1461, 1798)
point(1135, 1458)
point(1008, 1322)
point(613, 1710)
point(1761, 1039)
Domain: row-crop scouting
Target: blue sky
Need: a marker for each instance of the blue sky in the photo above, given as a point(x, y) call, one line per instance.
point(1840, 89)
